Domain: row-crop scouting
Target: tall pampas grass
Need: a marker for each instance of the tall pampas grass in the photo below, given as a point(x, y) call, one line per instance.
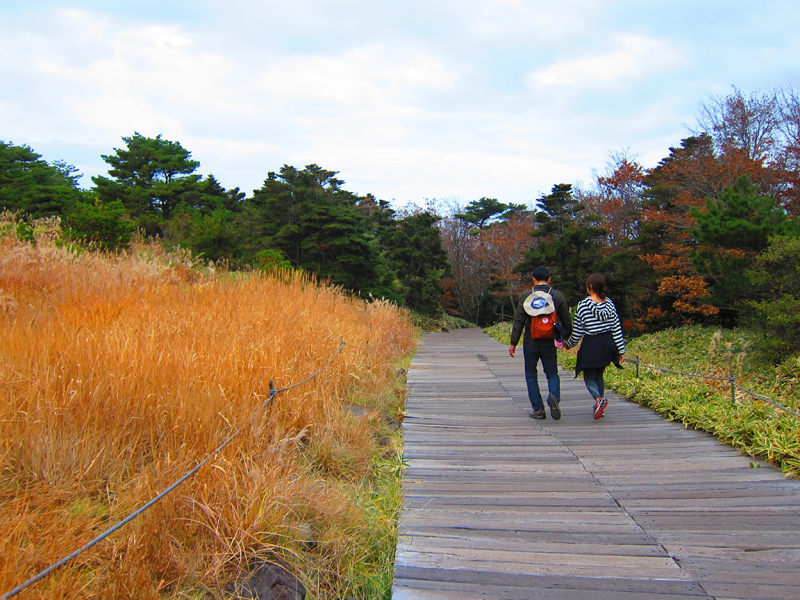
point(118, 373)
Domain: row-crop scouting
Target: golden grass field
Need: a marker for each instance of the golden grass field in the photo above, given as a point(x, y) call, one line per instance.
point(118, 373)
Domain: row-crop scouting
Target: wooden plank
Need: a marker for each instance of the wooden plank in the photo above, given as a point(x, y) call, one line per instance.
point(490, 580)
point(545, 564)
point(412, 590)
point(517, 502)
point(429, 543)
point(751, 590)
point(578, 536)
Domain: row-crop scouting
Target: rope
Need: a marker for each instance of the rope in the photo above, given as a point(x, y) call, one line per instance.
point(765, 399)
point(729, 379)
point(272, 393)
point(636, 361)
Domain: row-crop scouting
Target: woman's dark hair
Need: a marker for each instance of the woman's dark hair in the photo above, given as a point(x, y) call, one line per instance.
point(597, 283)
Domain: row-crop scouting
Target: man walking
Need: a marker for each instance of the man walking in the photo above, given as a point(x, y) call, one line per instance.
point(537, 313)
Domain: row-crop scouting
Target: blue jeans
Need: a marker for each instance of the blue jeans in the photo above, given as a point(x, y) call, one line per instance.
point(532, 355)
point(593, 379)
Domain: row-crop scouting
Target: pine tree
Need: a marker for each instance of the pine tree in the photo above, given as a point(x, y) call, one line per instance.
point(568, 241)
point(151, 176)
point(414, 249)
point(34, 187)
point(731, 231)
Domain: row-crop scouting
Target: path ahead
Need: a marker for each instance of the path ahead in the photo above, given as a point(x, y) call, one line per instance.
point(498, 505)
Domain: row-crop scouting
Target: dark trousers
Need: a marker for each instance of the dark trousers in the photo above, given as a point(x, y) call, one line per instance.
point(547, 354)
point(593, 378)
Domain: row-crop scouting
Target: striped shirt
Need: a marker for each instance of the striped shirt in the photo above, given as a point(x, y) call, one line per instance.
point(592, 318)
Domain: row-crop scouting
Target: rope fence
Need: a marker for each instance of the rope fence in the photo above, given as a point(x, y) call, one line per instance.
point(272, 393)
point(731, 380)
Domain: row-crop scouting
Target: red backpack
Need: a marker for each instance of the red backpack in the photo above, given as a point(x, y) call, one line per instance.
point(542, 308)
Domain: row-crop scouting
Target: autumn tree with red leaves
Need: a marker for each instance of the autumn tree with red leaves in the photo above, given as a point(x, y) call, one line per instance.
point(618, 198)
point(502, 247)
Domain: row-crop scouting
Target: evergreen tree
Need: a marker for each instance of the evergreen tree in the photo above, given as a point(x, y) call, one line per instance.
point(105, 225)
point(336, 245)
point(151, 176)
point(480, 213)
point(567, 241)
point(206, 222)
point(414, 247)
point(212, 235)
point(31, 185)
point(731, 231)
point(776, 272)
point(320, 227)
point(741, 218)
point(209, 195)
point(559, 210)
point(285, 200)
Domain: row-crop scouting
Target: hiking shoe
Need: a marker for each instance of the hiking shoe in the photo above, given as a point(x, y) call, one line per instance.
point(555, 411)
point(538, 414)
point(599, 406)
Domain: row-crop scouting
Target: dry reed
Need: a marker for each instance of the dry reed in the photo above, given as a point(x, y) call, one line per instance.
point(119, 373)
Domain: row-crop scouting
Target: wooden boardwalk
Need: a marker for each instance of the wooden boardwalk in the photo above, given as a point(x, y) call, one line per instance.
point(629, 507)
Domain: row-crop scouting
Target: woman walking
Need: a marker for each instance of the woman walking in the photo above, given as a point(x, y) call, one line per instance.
point(597, 322)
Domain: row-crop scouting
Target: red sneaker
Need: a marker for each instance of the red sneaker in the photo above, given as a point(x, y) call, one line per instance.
point(599, 406)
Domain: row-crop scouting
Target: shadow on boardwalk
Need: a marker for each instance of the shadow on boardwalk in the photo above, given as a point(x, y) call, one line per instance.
point(498, 505)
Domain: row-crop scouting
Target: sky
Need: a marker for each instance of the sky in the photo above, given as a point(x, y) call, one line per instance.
point(408, 101)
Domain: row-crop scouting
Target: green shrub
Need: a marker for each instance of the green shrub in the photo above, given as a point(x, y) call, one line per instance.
point(453, 322)
point(442, 322)
point(500, 331)
point(777, 272)
point(105, 225)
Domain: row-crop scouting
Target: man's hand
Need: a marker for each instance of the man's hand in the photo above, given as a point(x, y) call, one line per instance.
point(621, 358)
point(511, 350)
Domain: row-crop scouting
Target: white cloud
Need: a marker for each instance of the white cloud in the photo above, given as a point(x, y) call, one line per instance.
point(635, 57)
point(119, 69)
point(407, 173)
point(144, 76)
point(365, 76)
point(537, 22)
